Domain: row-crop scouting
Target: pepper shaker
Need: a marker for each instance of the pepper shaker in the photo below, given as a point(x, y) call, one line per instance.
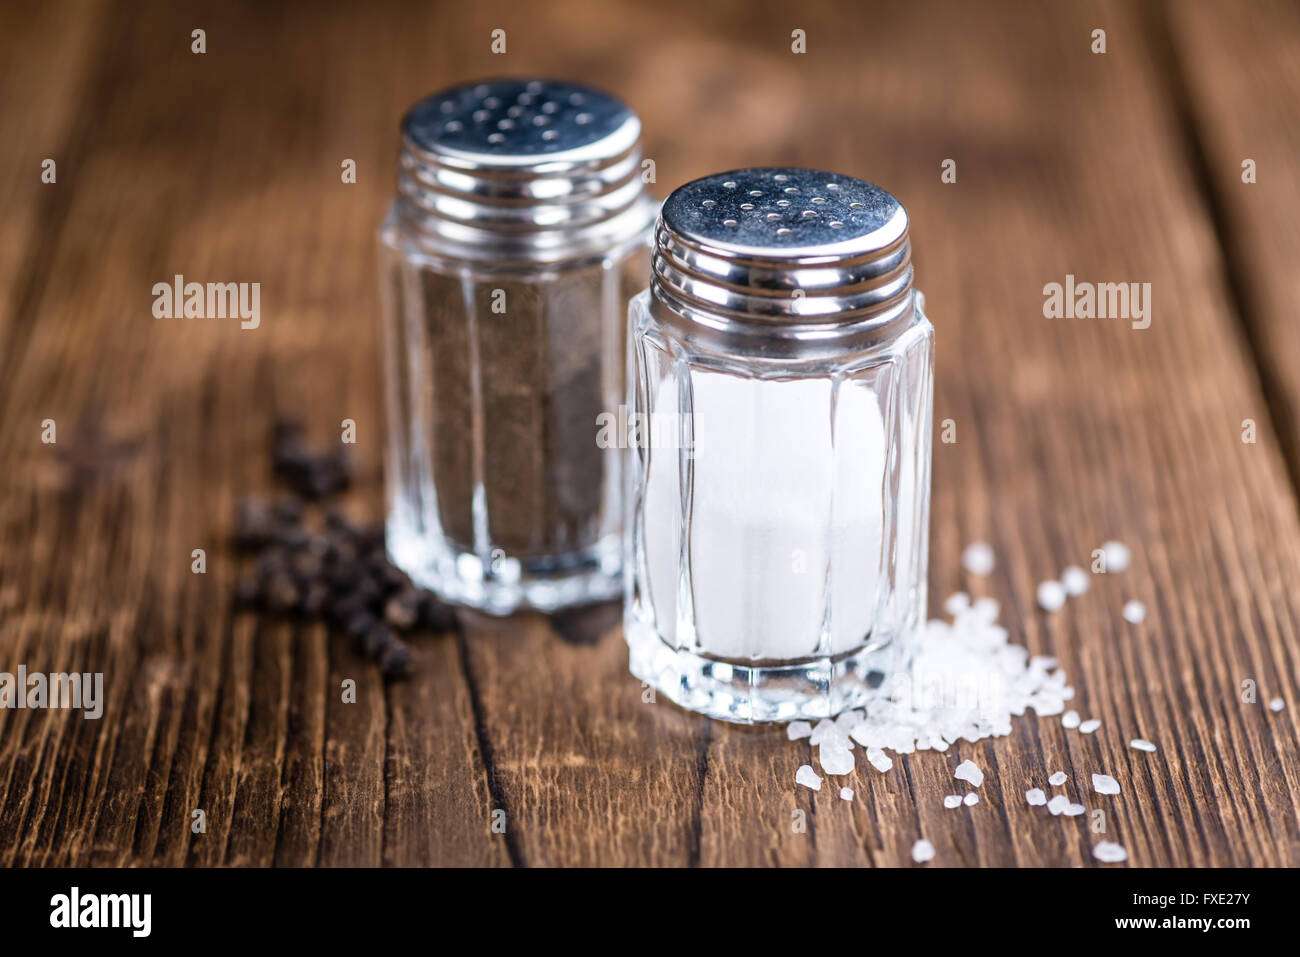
point(519, 232)
point(781, 373)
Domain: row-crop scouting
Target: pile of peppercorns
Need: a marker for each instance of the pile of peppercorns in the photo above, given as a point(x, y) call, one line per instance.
point(311, 561)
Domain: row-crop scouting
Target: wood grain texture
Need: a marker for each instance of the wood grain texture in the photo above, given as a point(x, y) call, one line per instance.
point(1069, 432)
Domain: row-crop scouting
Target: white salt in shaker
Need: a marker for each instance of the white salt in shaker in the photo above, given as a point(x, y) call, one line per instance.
point(781, 387)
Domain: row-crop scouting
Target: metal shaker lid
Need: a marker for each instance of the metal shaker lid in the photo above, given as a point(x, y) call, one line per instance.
point(523, 170)
point(786, 262)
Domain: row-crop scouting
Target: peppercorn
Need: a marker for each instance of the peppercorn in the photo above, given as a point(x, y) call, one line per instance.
point(395, 662)
point(402, 610)
point(377, 639)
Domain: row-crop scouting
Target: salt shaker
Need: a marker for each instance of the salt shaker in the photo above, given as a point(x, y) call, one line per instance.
point(781, 382)
point(519, 232)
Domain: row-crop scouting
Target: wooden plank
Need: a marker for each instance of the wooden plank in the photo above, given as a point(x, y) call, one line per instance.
point(36, 35)
point(48, 83)
point(1241, 90)
point(162, 427)
point(586, 771)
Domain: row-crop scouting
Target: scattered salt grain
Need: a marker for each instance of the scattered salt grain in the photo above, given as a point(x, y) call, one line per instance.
point(1057, 779)
point(1075, 580)
point(1277, 704)
point(1117, 556)
point(825, 728)
point(835, 759)
point(846, 793)
point(1108, 852)
point(967, 683)
point(1051, 596)
point(1135, 612)
point(1141, 744)
point(1035, 796)
point(847, 721)
point(971, 799)
point(808, 777)
point(1050, 705)
point(967, 771)
point(952, 801)
point(798, 729)
point(1070, 719)
point(956, 602)
point(1073, 810)
point(1091, 725)
point(978, 558)
point(879, 759)
point(1058, 804)
point(922, 851)
point(1105, 784)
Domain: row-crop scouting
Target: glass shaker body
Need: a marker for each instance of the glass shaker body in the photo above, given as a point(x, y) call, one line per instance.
point(778, 510)
point(505, 291)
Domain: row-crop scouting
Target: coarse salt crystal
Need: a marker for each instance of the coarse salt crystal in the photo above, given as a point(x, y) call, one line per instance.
point(978, 558)
point(1075, 580)
point(1108, 852)
point(1091, 725)
point(1277, 704)
point(879, 759)
point(970, 800)
point(1057, 779)
point(1117, 556)
point(1051, 596)
point(835, 759)
point(952, 800)
point(1105, 784)
point(1058, 804)
point(1141, 744)
point(922, 851)
point(1135, 612)
point(968, 682)
point(825, 728)
point(866, 734)
point(798, 729)
point(1073, 810)
point(1047, 705)
point(1035, 796)
point(1070, 719)
point(968, 771)
point(846, 793)
point(956, 602)
point(808, 777)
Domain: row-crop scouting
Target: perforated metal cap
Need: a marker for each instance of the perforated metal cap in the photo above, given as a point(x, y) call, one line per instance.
point(784, 262)
point(523, 170)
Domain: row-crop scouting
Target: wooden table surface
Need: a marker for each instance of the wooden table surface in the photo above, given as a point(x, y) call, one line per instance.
point(1117, 167)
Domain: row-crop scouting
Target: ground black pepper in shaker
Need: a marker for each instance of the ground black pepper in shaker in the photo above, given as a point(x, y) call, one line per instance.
point(520, 227)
